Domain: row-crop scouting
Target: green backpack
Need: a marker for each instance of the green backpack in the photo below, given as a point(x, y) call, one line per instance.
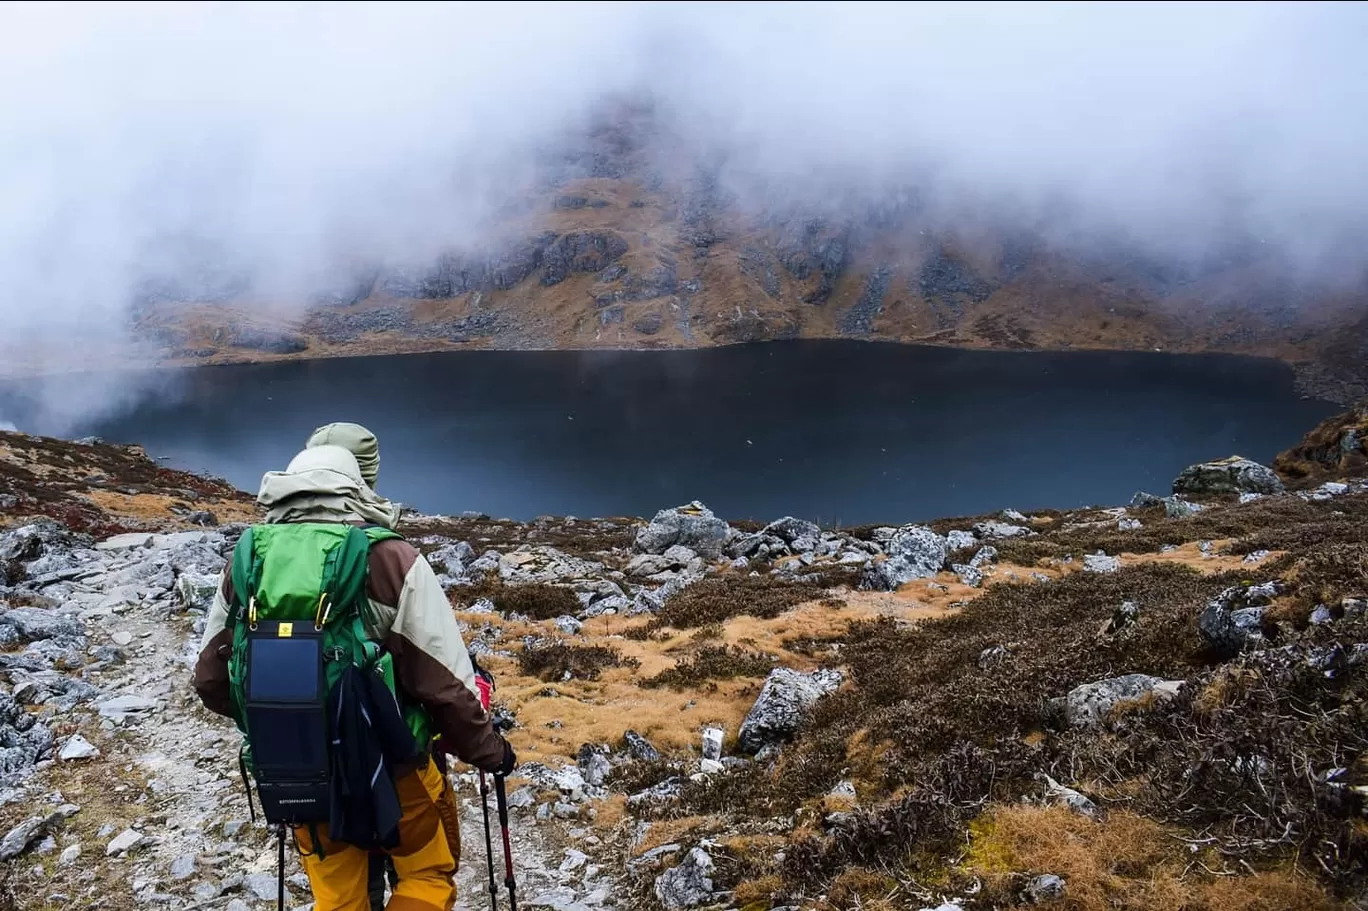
point(298, 620)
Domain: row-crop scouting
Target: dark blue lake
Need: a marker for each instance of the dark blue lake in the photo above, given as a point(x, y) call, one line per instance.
point(840, 432)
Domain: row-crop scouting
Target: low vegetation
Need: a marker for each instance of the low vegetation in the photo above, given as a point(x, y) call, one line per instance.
point(557, 660)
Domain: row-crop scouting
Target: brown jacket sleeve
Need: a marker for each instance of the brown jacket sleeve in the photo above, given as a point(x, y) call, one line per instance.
point(211, 667)
point(431, 663)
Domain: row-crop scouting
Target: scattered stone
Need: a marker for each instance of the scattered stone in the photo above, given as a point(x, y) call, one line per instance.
point(783, 701)
point(1044, 888)
point(712, 743)
point(122, 638)
point(125, 842)
point(1143, 500)
point(1175, 508)
point(122, 706)
point(134, 541)
point(1088, 705)
point(70, 854)
point(1123, 618)
point(968, 575)
point(1257, 556)
point(1229, 476)
point(1329, 490)
point(1125, 524)
point(1101, 563)
point(639, 747)
point(263, 887)
point(844, 789)
point(78, 748)
point(687, 885)
point(20, 838)
point(1250, 497)
point(183, 867)
point(1070, 798)
point(233, 828)
point(1011, 515)
point(196, 590)
point(986, 554)
point(1321, 615)
point(569, 625)
point(959, 540)
point(594, 765)
point(992, 655)
point(1001, 530)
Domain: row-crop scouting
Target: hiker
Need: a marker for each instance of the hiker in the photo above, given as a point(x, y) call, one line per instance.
point(321, 514)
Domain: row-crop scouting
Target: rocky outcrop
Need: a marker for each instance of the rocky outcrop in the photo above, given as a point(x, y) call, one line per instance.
point(1234, 475)
point(914, 552)
point(580, 251)
point(783, 702)
point(693, 526)
point(859, 319)
point(1338, 446)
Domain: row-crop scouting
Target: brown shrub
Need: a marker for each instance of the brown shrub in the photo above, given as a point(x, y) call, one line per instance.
point(538, 601)
point(712, 663)
point(718, 599)
point(553, 662)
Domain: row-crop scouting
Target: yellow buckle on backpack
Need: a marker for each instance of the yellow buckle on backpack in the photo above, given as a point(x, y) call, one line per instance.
point(251, 613)
point(321, 614)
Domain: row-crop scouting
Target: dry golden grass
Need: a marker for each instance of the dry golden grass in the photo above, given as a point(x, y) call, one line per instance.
point(1126, 863)
point(150, 507)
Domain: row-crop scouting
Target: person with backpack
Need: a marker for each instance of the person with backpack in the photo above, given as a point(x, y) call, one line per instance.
point(333, 647)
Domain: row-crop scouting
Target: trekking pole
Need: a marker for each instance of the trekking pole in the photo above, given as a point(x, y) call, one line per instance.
point(489, 844)
point(280, 867)
point(501, 798)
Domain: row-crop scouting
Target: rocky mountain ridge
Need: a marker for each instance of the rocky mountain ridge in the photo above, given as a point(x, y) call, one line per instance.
point(614, 249)
point(1152, 705)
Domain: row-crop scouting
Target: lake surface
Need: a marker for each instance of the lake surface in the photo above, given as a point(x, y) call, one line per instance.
point(839, 432)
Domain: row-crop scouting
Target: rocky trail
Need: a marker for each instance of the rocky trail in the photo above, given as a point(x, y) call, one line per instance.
point(143, 804)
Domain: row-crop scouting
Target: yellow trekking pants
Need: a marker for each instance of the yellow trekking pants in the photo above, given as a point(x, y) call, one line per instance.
point(429, 849)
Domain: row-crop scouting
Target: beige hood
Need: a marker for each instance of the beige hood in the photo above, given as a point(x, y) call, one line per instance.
point(323, 484)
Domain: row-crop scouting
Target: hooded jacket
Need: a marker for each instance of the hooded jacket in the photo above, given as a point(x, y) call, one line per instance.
point(409, 613)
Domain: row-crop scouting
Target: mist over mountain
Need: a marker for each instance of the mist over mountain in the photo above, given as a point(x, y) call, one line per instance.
point(977, 174)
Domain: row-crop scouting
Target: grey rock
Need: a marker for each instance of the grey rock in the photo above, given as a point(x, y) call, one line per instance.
point(34, 623)
point(968, 575)
point(1088, 705)
point(1070, 798)
point(1101, 563)
point(70, 854)
point(712, 743)
point(1232, 620)
point(522, 798)
point(986, 554)
point(1176, 508)
point(22, 837)
point(1125, 524)
point(1256, 556)
point(1001, 530)
point(1230, 476)
point(1321, 615)
point(195, 591)
point(234, 827)
point(183, 867)
point(1246, 498)
point(644, 565)
point(799, 534)
point(639, 747)
point(658, 794)
point(993, 655)
point(783, 701)
point(125, 842)
point(594, 765)
point(77, 747)
point(1044, 888)
point(687, 885)
point(1143, 500)
point(1123, 618)
point(677, 556)
point(959, 540)
point(569, 625)
point(261, 886)
point(237, 904)
point(120, 706)
point(914, 552)
point(452, 559)
point(693, 526)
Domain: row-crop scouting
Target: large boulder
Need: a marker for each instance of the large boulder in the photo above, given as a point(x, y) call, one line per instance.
point(914, 552)
point(783, 701)
point(694, 526)
point(1088, 706)
point(799, 534)
point(1228, 476)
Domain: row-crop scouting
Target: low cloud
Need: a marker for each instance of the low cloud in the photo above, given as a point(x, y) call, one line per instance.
point(146, 145)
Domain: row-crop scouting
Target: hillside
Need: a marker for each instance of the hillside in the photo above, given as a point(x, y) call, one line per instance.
point(1156, 705)
point(614, 251)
